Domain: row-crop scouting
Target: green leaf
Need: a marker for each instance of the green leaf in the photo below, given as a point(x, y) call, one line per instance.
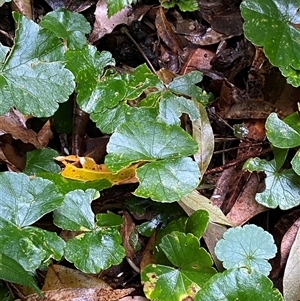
point(184, 5)
point(29, 246)
point(243, 247)
point(239, 284)
point(70, 26)
point(141, 79)
point(171, 108)
point(24, 200)
point(194, 269)
point(296, 162)
point(88, 66)
point(63, 117)
point(280, 134)
point(280, 155)
point(282, 188)
point(108, 119)
point(100, 246)
point(292, 75)
point(12, 271)
point(135, 142)
point(167, 180)
point(109, 219)
point(92, 251)
point(107, 103)
point(41, 160)
point(100, 91)
point(3, 53)
point(33, 78)
point(197, 223)
point(113, 6)
point(185, 84)
point(272, 24)
point(75, 213)
point(169, 176)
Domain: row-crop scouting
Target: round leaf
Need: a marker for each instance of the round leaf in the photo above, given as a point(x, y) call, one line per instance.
point(29, 246)
point(41, 160)
point(108, 119)
point(93, 251)
point(197, 223)
point(296, 162)
point(282, 188)
point(67, 25)
point(109, 219)
point(194, 269)
point(186, 85)
point(271, 24)
point(167, 180)
point(134, 142)
point(239, 284)
point(23, 200)
point(249, 246)
point(280, 134)
point(33, 77)
point(76, 213)
point(171, 108)
point(183, 251)
point(88, 66)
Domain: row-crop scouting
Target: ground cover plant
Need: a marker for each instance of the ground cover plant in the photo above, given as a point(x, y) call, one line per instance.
point(146, 150)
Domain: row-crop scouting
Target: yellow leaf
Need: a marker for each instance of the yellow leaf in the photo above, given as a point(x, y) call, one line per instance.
point(90, 171)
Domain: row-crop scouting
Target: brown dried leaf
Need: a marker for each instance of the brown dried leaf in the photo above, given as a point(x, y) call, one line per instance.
point(212, 235)
point(147, 255)
point(61, 277)
point(165, 75)
point(228, 22)
point(166, 33)
point(45, 134)
point(23, 7)
point(14, 123)
point(80, 5)
point(287, 242)
point(209, 38)
point(82, 294)
point(245, 206)
point(198, 59)
point(127, 230)
point(252, 109)
point(104, 25)
point(15, 157)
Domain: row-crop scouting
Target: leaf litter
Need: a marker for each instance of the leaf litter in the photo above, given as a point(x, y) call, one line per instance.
point(237, 87)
